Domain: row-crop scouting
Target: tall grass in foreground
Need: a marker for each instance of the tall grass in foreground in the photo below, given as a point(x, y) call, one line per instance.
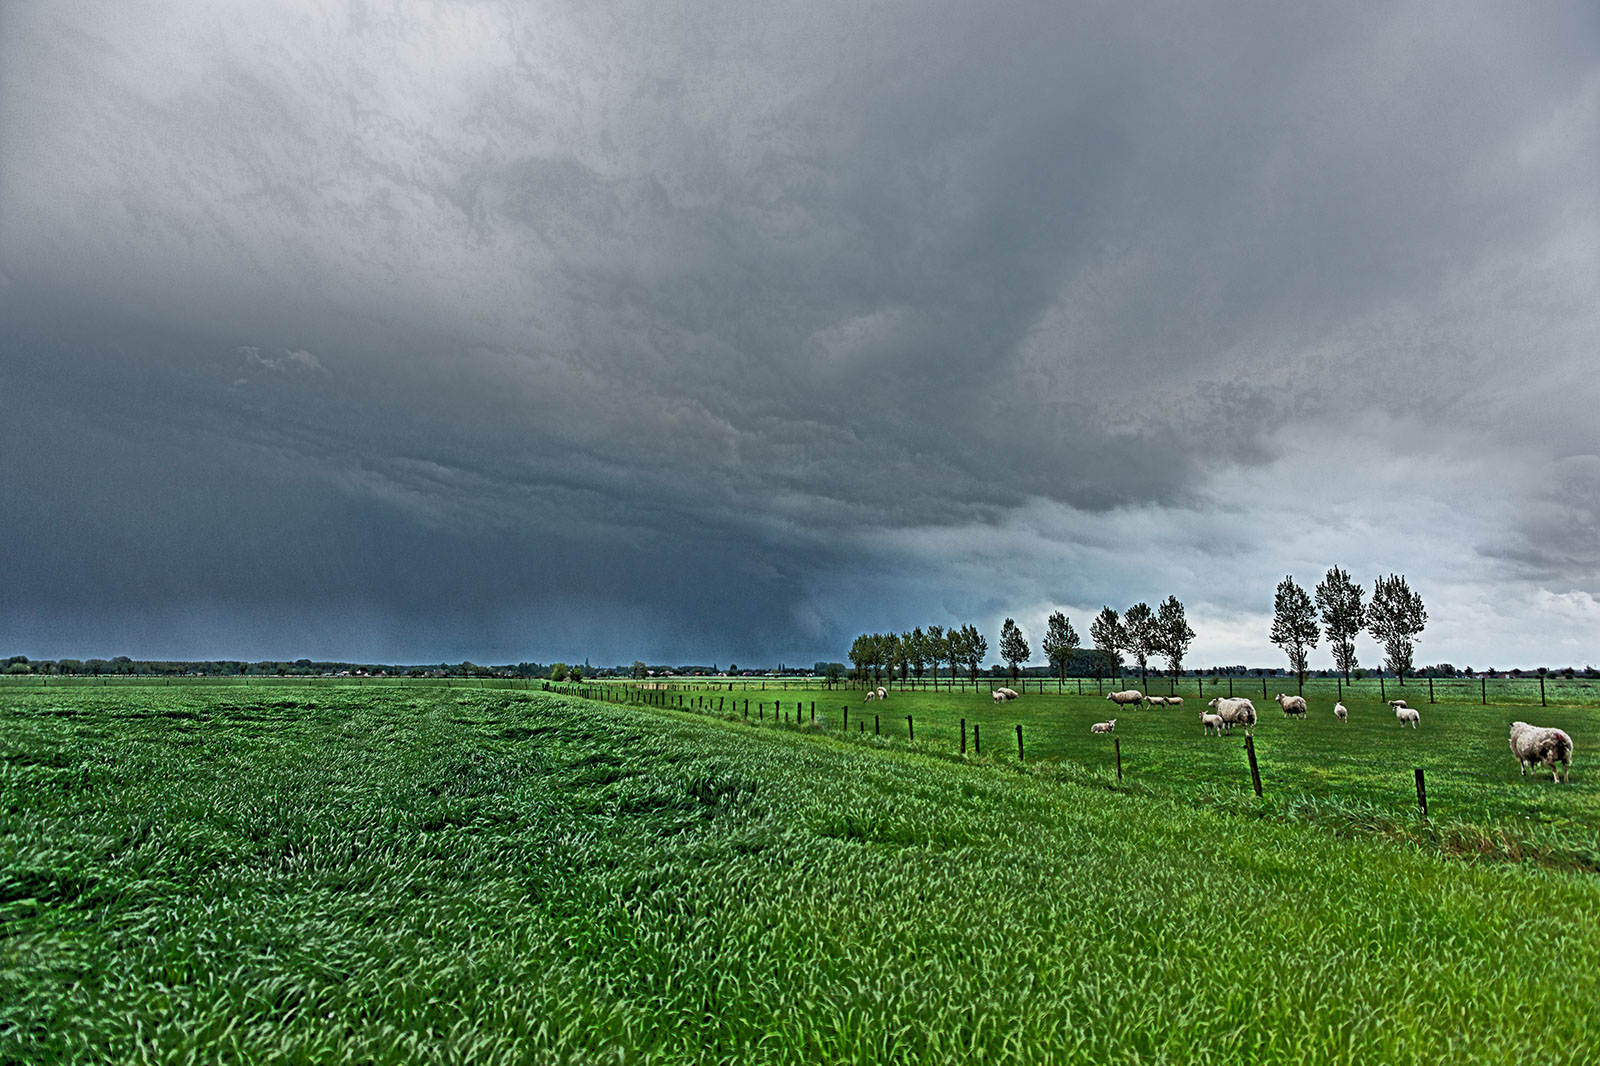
point(506, 877)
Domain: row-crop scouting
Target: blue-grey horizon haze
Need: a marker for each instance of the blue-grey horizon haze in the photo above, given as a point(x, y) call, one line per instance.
point(708, 332)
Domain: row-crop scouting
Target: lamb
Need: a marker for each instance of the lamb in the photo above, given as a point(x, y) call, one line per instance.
point(1126, 696)
point(1293, 706)
point(1542, 746)
point(1174, 701)
point(1104, 727)
point(1340, 712)
point(1397, 704)
point(1408, 714)
point(1157, 701)
point(1234, 710)
point(1211, 723)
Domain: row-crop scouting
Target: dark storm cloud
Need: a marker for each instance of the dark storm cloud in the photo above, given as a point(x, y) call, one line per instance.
point(747, 324)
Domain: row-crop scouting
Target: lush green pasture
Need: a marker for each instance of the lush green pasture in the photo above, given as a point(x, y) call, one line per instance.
point(427, 875)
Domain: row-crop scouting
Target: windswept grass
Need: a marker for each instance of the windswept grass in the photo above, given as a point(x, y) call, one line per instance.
point(486, 877)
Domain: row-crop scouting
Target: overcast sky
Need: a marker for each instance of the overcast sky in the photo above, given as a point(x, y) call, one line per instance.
point(711, 330)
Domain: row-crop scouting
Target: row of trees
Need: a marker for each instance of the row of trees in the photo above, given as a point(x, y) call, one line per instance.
point(1142, 632)
point(1395, 617)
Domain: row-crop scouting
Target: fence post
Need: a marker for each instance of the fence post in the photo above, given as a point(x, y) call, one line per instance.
point(1422, 794)
point(847, 719)
point(1541, 691)
point(1383, 689)
point(1340, 682)
point(877, 728)
point(1430, 690)
point(963, 736)
point(1255, 773)
point(1483, 688)
point(1116, 744)
point(911, 730)
point(977, 745)
point(1263, 686)
point(1019, 741)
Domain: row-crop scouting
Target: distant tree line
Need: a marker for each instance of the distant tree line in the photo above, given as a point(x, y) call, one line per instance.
point(1395, 617)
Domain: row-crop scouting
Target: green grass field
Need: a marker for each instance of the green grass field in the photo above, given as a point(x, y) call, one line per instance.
point(453, 875)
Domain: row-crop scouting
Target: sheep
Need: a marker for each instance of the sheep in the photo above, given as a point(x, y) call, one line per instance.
point(1234, 710)
point(1126, 696)
point(1007, 693)
point(1211, 723)
point(1542, 746)
point(871, 695)
point(1408, 714)
point(883, 693)
point(999, 697)
point(1104, 727)
point(1156, 701)
point(1293, 706)
point(1174, 701)
point(1397, 704)
point(1340, 712)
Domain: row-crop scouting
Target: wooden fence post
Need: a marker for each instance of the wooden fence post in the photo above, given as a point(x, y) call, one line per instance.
point(1430, 690)
point(1116, 744)
point(911, 730)
point(1422, 794)
point(1255, 774)
point(977, 745)
point(1541, 691)
point(847, 718)
point(1019, 741)
point(1483, 688)
point(877, 727)
point(963, 736)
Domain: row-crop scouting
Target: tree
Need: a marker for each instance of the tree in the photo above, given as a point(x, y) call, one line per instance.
point(1395, 619)
point(1110, 637)
point(974, 646)
point(1294, 625)
point(1060, 642)
point(1014, 647)
point(1343, 617)
point(575, 673)
point(1173, 634)
point(938, 650)
point(834, 670)
point(558, 672)
point(1143, 640)
point(639, 670)
point(861, 655)
point(917, 651)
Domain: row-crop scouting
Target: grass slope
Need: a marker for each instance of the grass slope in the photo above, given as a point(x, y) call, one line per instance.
point(392, 876)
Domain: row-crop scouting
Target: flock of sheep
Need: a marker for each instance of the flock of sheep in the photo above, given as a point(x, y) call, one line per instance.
point(1533, 745)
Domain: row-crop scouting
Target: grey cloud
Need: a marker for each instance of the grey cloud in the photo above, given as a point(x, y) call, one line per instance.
point(613, 285)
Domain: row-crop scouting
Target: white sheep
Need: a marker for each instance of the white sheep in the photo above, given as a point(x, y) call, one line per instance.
point(1340, 712)
point(1234, 710)
point(1174, 701)
point(871, 695)
point(1156, 701)
point(1541, 746)
point(883, 693)
point(1212, 723)
point(1293, 706)
point(1397, 704)
point(1126, 696)
point(1408, 714)
point(1104, 727)
point(999, 697)
point(1007, 693)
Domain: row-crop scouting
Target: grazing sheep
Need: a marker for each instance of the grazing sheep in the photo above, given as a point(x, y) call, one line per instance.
point(1007, 693)
point(871, 695)
point(1398, 704)
point(1211, 722)
point(999, 697)
point(1340, 712)
point(1174, 701)
point(1104, 727)
point(1126, 696)
point(1234, 710)
point(883, 693)
point(1408, 714)
point(1293, 706)
point(1156, 701)
point(1542, 746)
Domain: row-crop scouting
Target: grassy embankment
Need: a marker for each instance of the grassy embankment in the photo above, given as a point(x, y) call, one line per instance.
point(457, 876)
